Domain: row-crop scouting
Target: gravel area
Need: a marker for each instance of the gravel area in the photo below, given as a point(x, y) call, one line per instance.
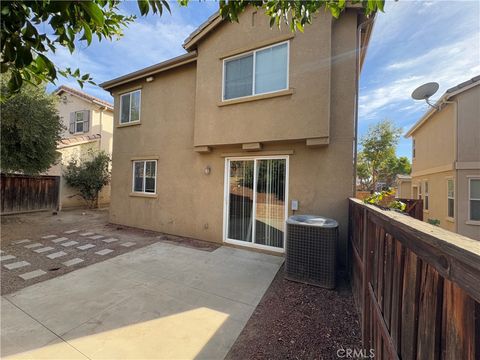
point(299, 321)
point(39, 246)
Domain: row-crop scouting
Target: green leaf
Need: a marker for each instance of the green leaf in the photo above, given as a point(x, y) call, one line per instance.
point(94, 11)
point(143, 6)
point(87, 33)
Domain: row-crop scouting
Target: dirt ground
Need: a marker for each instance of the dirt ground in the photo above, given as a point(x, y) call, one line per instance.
point(299, 321)
point(18, 232)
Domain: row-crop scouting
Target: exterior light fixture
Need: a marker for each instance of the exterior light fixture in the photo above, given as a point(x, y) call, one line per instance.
point(207, 170)
point(149, 79)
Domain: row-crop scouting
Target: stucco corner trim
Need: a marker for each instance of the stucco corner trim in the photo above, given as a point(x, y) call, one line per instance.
point(202, 149)
point(320, 141)
point(245, 99)
point(252, 146)
point(133, 123)
point(143, 195)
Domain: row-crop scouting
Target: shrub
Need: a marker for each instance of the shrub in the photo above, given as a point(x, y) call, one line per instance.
point(386, 200)
point(88, 176)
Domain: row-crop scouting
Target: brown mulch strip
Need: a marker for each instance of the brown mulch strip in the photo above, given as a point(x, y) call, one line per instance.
point(299, 321)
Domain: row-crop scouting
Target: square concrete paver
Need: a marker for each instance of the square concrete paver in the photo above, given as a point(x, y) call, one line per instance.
point(49, 236)
point(31, 246)
point(104, 252)
point(160, 301)
point(87, 234)
point(56, 254)
point(73, 262)
point(60, 239)
point(6, 257)
point(85, 247)
point(32, 274)
point(128, 244)
point(21, 242)
point(69, 243)
point(109, 240)
point(71, 231)
point(16, 265)
point(96, 237)
point(44, 249)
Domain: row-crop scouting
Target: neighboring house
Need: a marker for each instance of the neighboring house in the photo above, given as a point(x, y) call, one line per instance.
point(88, 123)
point(251, 125)
point(403, 185)
point(446, 160)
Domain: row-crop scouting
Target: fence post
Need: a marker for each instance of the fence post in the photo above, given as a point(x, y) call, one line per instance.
point(365, 278)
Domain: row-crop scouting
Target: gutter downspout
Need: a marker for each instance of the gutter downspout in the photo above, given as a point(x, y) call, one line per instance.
point(357, 89)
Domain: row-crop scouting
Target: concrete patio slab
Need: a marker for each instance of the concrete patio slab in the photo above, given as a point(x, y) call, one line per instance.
point(160, 301)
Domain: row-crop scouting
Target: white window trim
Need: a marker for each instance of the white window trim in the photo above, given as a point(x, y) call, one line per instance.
point(470, 221)
point(76, 122)
point(144, 177)
point(130, 109)
point(226, 202)
point(254, 52)
point(426, 194)
point(451, 218)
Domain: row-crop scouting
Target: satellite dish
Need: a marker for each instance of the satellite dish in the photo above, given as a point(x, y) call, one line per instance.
point(423, 92)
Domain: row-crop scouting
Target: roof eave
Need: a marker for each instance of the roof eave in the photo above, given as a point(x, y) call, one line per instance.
point(151, 70)
point(445, 97)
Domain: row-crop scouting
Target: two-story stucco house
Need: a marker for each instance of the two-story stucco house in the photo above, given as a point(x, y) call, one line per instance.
point(88, 126)
point(251, 125)
point(446, 160)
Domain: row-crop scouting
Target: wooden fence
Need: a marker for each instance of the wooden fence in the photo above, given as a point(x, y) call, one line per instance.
point(23, 193)
point(417, 286)
point(414, 208)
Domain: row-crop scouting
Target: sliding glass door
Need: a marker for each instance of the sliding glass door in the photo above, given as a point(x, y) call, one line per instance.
point(256, 201)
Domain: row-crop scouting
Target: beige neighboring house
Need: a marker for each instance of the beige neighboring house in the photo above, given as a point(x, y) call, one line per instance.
point(446, 160)
point(88, 123)
point(249, 126)
point(403, 185)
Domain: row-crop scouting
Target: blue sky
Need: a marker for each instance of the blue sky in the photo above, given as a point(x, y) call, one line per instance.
point(413, 42)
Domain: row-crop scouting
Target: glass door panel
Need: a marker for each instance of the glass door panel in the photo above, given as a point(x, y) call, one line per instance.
point(270, 202)
point(240, 204)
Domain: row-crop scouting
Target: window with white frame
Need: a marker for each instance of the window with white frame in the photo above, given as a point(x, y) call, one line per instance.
point(260, 71)
point(413, 148)
point(450, 198)
point(79, 122)
point(420, 190)
point(145, 176)
point(474, 199)
point(425, 196)
point(130, 107)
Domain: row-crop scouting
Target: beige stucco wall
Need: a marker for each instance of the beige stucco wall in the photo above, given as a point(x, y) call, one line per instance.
point(437, 186)
point(303, 114)
point(404, 189)
point(101, 122)
point(190, 203)
point(435, 142)
point(68, 196)
point(464, 225)
point(469, 126)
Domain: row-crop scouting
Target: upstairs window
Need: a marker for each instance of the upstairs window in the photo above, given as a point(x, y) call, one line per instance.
point(413, 148)
point(130, 107)
point(145, 176)
point(258, 72)
point(450, 198)
point(474, 199)
point(79, 122)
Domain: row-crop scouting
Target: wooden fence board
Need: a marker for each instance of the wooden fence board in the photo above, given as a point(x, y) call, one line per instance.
point(418, 287)
point(23, 193)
